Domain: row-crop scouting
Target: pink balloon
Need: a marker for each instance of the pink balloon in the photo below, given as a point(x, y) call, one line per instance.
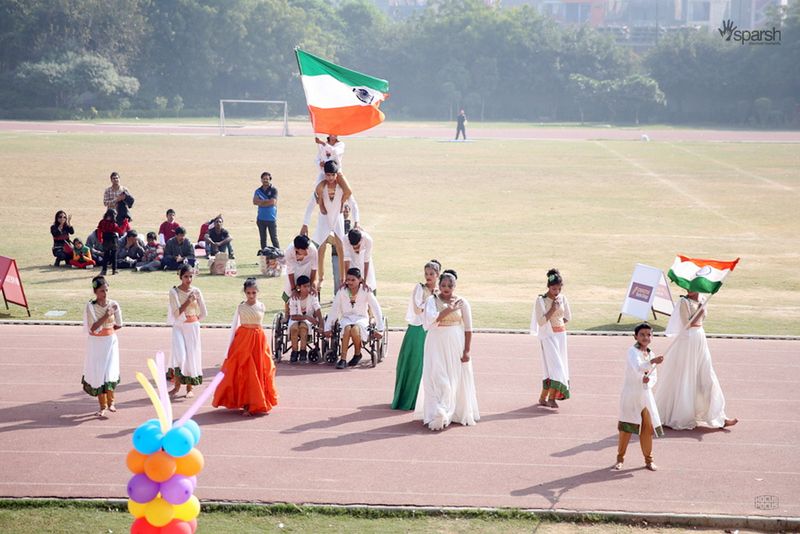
point(177, 489)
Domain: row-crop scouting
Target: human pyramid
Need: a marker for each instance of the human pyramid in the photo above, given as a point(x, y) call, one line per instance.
point(434, 375)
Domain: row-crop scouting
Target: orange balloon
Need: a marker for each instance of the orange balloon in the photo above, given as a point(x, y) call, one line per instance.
point(135, 461)
point(159, 467)
point(191, 464)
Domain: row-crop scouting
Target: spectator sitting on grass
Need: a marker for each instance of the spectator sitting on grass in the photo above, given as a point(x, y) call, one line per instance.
point(218, 239)
point(81, 255)
point(95, 247)
point(167, 229)
point(130, 250)
point(179, 250)
point(60, 230)
point(153, 253)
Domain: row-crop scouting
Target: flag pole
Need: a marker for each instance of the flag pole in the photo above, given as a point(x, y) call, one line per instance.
point(688, 325)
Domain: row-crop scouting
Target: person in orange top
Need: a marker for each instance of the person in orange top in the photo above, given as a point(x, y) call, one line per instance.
point(102, 317)
point(81, 255)
point(249, 382)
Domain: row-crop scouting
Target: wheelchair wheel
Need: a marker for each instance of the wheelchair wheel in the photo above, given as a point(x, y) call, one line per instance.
point(277, 337)
point(313, 355)
point(331, 346)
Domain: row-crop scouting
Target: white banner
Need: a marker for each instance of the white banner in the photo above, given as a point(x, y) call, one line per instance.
point(647, 291)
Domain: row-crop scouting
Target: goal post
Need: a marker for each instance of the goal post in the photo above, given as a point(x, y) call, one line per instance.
point(253, 117)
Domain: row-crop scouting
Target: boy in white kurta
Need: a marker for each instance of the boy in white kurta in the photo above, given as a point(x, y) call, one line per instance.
point(358, 253)
point(637, 406)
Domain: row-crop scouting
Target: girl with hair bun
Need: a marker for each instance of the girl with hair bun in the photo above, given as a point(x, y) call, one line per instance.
point(550, 315)
point(102, 317)
point(249, 382)
point(448, 385)
point(409, 361)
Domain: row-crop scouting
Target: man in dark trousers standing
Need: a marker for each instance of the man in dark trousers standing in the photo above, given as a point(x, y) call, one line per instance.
point(461, 121)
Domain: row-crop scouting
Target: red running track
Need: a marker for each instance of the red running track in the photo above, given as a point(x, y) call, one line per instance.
point(333, 438)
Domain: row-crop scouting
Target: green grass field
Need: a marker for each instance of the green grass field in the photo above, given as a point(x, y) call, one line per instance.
point(20, 517)
point(499, 212)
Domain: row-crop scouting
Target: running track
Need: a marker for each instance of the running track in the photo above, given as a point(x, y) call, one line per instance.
point(333, 438)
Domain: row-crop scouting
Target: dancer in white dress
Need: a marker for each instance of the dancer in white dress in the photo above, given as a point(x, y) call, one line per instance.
point(550, 315)
point(186, 309)
point(102, 317)
point(638, 413)
point(689, 391)
point(447, 391)
point(351, 307)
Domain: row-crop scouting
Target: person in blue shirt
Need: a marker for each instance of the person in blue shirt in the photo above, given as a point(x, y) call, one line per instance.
point(266, 198)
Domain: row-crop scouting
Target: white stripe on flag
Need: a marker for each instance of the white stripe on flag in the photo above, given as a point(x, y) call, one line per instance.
point(328, 92)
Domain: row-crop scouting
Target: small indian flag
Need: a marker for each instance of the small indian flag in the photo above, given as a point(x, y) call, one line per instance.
point(702, 276)
point(340, 101)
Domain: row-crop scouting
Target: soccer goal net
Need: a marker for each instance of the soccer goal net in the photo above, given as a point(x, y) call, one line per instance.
point(253, 117)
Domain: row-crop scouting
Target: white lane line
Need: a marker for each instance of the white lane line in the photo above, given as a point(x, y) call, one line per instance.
point(735, 168)
point(668, 183)
point(417, 461)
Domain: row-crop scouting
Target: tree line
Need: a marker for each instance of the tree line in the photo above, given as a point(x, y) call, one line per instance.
point(83, 58)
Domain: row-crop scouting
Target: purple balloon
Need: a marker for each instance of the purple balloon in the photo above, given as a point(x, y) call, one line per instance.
point(177, 489)
point(193, 478)
point(141, 489)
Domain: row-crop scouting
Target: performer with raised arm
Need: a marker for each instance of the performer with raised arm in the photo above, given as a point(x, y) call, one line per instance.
point(689, 391)
point(330, 221)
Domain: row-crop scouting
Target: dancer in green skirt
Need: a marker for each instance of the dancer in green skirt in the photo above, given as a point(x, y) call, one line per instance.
point(409, 361)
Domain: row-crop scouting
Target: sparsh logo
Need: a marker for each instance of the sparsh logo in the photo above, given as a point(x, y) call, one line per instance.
point(729, 31)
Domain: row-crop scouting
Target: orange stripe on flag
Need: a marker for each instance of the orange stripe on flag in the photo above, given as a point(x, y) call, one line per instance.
point(346, 120)
point(721, 265)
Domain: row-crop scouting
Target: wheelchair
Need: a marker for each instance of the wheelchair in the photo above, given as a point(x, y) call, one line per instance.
point(376, 348)
point(316, 344)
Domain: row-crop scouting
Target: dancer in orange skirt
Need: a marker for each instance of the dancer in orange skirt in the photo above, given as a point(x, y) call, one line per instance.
point(249, 382)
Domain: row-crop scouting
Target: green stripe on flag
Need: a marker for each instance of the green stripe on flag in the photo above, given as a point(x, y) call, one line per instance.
point(699, 284)
point(311, 65)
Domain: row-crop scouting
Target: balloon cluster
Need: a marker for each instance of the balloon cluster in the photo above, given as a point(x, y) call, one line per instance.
point(165, 463)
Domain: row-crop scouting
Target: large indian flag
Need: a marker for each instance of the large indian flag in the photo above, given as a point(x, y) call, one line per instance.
point(702, 276)
point(340, 101)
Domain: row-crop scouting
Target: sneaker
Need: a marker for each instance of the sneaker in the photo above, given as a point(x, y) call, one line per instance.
point(90, 266)
point(74, 266)
point(651, 467)
point(354, 361)
point(293, 357)
point(341, 364)
point(303, 356)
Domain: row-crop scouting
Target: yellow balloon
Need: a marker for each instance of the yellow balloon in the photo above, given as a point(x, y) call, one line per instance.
point(159, 512)
point(188, 510)
point(136, 509)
